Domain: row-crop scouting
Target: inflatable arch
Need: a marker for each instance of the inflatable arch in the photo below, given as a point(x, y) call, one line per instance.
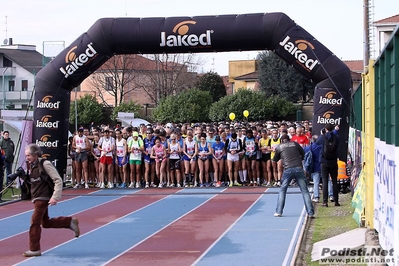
point(110, 36)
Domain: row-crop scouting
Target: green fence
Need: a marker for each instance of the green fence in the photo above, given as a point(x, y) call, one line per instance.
point(387, 92)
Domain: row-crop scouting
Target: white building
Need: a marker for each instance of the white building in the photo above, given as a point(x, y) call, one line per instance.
point(19, 65)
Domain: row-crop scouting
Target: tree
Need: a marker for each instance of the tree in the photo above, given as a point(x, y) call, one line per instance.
point(188, 106)
point(88, 110)
point(213, 83)
point(130, 107)
point(172, 74)
point(115, 78)
point(258, 104)
point(276, 77)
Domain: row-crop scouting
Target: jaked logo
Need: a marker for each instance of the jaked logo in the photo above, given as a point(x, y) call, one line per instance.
point(45, 155)
point(44, 142)
point(329, 99)
point(45, 103)
point(326, 118)
point(298, 49)
point(44, 122)
point(76, 61)
point(184, 39)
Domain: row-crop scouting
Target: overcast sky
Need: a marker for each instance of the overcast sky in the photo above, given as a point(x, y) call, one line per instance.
point(337, 24)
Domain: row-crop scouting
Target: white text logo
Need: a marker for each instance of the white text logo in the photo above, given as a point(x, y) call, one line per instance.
point(184, 39)
point(297, 50)
point(76, 61)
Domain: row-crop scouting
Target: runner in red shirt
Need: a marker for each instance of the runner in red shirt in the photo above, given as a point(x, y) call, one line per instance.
point(300, 137)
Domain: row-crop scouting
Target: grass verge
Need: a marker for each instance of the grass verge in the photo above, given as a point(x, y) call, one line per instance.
point(330, 222)
point(11, 194)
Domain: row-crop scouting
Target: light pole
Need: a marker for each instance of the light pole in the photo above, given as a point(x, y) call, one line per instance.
point(76, 109)
point(146, 108)
point(4, 91)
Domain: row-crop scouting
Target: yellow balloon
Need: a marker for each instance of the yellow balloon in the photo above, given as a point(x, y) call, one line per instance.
point(246, 113)
point(232, 116)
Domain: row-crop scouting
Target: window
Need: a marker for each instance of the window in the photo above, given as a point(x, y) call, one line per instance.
point(109, 84)
point(24, 85)
point(11, 85)
point(7, 62)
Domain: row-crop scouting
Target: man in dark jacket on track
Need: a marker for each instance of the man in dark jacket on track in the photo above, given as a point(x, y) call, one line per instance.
point(329, 164)
point(292, 154)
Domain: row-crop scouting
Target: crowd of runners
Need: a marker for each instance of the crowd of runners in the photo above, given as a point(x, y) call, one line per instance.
point(181, 155)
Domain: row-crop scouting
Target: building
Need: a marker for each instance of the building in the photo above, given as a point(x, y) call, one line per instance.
point(242, 74)
point(143, 80)
point(18, 67)
point(385, 27)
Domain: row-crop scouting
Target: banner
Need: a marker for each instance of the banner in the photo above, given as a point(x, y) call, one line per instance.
point(358, 199)
point(26, 138)
point(396, 237)
point(385, 189)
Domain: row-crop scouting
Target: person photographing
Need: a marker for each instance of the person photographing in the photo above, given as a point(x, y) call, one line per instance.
point(292, 154)
point(46, 189)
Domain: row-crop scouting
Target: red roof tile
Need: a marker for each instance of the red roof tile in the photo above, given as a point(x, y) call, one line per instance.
point(393, 19)
point(355, 65)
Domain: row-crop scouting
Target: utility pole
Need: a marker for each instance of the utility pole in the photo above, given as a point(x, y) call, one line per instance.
point(366, 34)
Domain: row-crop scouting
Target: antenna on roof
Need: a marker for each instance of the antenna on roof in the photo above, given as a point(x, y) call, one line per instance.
point(6, 29)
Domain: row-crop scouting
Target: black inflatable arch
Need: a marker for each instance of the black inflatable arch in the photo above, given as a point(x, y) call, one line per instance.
point(110, 36)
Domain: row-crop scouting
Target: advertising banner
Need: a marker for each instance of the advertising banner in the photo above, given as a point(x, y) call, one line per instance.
point(385, 193)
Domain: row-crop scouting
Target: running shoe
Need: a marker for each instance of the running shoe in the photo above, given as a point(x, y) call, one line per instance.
point(123, 185)
point(237, 184)
point(146, 185)
point(178, 185)
point(102, 185)
point(131, 185)
point(138, 185)
point(231, 184)
point(110, 185)
point(218, 184)
point(160, 185)
point(277, 215)
point(86, 186)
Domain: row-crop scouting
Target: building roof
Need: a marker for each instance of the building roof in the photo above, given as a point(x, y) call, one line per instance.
point(253, 76)
point(390, 20)
point(355, 65)
point(138, 62)
point(30, 60)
